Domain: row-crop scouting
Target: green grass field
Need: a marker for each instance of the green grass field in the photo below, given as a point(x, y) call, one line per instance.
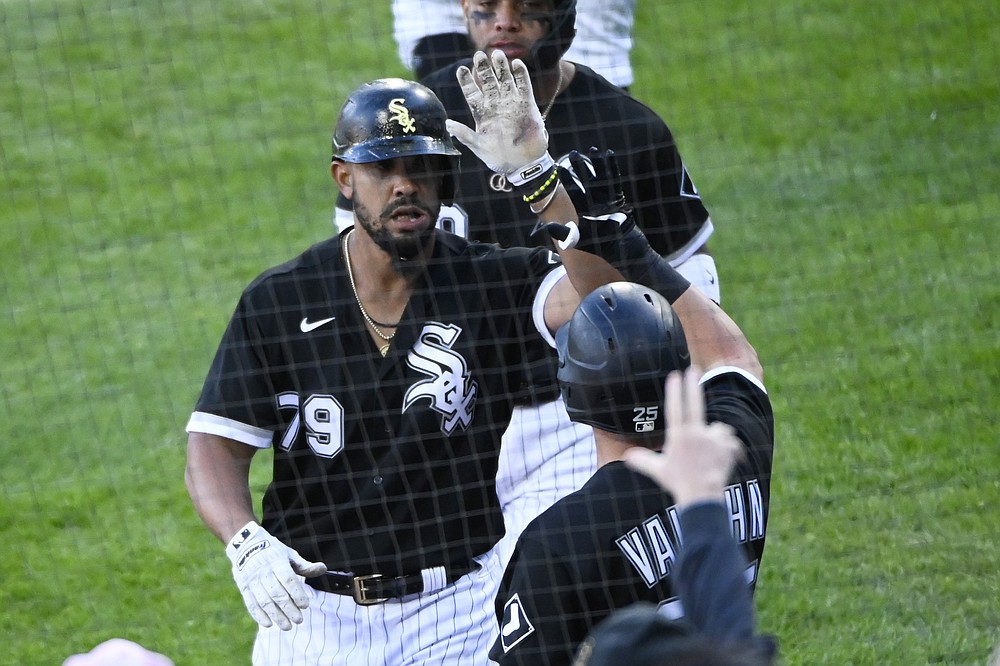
point(157, 156)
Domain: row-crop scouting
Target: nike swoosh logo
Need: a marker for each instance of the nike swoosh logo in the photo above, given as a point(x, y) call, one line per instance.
point(307, 326)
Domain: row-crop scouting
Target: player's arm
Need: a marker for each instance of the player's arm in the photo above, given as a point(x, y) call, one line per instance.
point(714, 340)
point(606, 227)
point(217, 476)
point(542, 620)
point(265, 570)
point(585, 271)
point(510, 138)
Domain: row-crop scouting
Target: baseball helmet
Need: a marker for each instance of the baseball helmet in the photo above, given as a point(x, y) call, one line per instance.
point(390, 118)
point(549, 49)
point(614, 356)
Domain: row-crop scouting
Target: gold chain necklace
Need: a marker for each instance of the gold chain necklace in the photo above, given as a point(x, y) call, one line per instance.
point(384, 349)
point(548, 107)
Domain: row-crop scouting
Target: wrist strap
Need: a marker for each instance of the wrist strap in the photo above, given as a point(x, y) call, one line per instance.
point(638, 262)
point(531, 170)
point(572, 238)
point(242, 535)
point(656, 272)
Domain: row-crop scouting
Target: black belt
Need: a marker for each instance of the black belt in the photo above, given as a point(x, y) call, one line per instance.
point(371, 589)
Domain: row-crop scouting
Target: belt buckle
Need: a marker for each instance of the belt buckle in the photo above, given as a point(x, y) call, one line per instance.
point(360, 591)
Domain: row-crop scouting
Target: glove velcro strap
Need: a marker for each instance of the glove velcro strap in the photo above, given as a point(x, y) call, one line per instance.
point(239, 549)
point(522, 176)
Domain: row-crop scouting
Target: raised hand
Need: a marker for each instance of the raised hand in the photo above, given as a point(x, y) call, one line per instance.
point(593, 182)
point(698, 457)
point(510, 136)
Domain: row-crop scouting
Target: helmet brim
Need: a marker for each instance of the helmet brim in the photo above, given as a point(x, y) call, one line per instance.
point(378, 150)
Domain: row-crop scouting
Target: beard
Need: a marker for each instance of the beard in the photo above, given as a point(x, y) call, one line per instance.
point(403, 248)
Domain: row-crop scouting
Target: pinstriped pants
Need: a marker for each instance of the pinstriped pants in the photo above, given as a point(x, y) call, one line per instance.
point(454, 626)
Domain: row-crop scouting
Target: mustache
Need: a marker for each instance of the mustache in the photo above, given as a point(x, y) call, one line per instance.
point(406, 201)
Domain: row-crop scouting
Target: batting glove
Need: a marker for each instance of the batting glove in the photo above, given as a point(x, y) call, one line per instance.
point(510, 136)
point(267, 573)
point(593, 182)
point(607, 226)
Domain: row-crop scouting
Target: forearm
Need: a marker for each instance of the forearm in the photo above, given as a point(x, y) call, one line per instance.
point(713, 338)
point(586, 271)
point(217, 479)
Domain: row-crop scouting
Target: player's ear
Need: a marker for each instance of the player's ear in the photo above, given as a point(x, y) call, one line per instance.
point(342, 177)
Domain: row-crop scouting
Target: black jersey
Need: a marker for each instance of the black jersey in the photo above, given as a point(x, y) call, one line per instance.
point(615, 541)
point(589, 112)
point(380, 465)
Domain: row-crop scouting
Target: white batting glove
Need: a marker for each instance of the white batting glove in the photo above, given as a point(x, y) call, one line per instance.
point(267, 573)
point(510, 136)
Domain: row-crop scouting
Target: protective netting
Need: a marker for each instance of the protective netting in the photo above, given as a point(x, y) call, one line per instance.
point(158, 156)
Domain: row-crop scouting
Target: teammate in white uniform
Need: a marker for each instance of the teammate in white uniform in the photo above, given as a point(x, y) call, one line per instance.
point(604, 39)
point(431, 34)
point(386, 436)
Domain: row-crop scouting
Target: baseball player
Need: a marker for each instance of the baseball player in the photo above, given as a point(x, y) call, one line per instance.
point(719, 622)
point(580, 109)
point(431, 34)
point(379, 367)
point(545, 456)
point(615, 541)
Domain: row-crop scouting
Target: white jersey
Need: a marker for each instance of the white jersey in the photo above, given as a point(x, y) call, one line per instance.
point(603, 39)
point(412, 20)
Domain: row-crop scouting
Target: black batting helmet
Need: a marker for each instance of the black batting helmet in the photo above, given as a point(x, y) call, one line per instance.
point(547, 51)
point(614, 356)
point(390, 118)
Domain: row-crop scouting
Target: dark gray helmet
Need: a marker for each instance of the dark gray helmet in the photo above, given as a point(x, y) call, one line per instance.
point(549, 49)
point(614, 356)
point(390, 118)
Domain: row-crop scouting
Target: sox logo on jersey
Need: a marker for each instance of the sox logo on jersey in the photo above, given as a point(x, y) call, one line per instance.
point(450, 388)
point(516, 626)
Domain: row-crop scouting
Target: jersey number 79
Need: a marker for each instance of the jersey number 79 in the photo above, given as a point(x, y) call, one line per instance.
point(323, 418)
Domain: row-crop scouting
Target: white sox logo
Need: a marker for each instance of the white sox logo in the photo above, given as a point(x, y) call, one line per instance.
point(450, 389)
point(402, 115)
point(515, 626)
